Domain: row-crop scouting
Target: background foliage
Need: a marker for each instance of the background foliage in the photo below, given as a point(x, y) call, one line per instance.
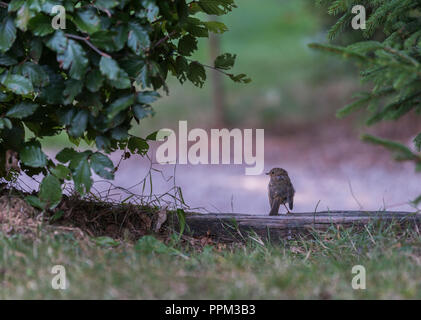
point(392, 65)
point(92, 79)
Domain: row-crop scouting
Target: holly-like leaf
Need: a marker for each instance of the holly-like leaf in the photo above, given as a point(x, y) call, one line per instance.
point(57, 42)
point(104, 40)
point(87, 21)
point(21, 110)
point(18, 84)
point(66, 155)
point(122, 81)
point(79, 124)
point(216, 26)
point(60, 171)
point(147, 97)
point(33, 72)
point(187, 45)
point(119, 105)
point(82, 176)
point(138, 145)
point(138, 39)
point(74, 58)
point(50, 191)
point(73, 88)
point(102, 165)
point(40, 25)
point(94, 80)
point(32, 156)
point(7, 34)
point(141, 112)
point(216, 7)
point(241, 78)
point(109, 68)
point(225, 61)
point(7, 60)
point(196, 74)
point(23, 16)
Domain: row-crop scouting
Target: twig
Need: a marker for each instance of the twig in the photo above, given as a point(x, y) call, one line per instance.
point(86, 40)
point(352, 193)
point(161, 41)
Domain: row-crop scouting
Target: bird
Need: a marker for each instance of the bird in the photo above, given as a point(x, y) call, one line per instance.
point(280, 190)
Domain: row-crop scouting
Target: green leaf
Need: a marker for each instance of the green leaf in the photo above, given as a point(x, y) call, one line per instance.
point(138, 39)
point(57, 42)
point(106, 4)
point(73, 88)
point(33, 72)
point(50, 191)
point(141, 112)
point(196, 74)
point(147, 97)
point(216, 7)
point(119, 105)
point(102, 165)
point(216, 26)
point(122, 81)
point(6, 60)
point(18, 84)
point(225, 61)
point(195, 28)
point(87, 21)
point(82, 176)
point(66, 155)
point(41, 25)
point(417, 141)
point(36, 49)
point(60, 171)
point(7, 34)
point(32, 156)
point(22, 110)
point(109, 68)
point(241, 78)
point(74, 58)
point(151, 12)
point(5, 123)
point(187, 45)
point(23, 16)
point(35, 202)
point(104, 40)
point(106, 241)
point(79, 124)
point(138, 145)
point(15, 5)
point(94, 80)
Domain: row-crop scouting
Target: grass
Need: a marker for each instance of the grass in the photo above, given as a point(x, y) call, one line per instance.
point(149, 269)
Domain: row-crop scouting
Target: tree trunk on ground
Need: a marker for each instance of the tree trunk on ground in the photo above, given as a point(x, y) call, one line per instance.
point(240, 226)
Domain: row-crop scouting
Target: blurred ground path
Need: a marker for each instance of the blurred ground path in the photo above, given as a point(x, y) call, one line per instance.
point(347, 176)
point(341, 173)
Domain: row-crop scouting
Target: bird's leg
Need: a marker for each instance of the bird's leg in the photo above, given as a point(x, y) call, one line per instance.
point(286, 207)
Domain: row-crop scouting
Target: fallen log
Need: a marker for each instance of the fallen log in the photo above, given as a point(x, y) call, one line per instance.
point(240, 226)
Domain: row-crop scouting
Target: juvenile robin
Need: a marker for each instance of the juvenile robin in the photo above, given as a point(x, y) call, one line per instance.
point(280, 190)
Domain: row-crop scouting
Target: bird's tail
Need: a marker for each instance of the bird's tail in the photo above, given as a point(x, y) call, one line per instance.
point(275, 207)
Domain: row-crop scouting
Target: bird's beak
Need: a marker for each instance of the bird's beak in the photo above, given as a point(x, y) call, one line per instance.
point(267, 173)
